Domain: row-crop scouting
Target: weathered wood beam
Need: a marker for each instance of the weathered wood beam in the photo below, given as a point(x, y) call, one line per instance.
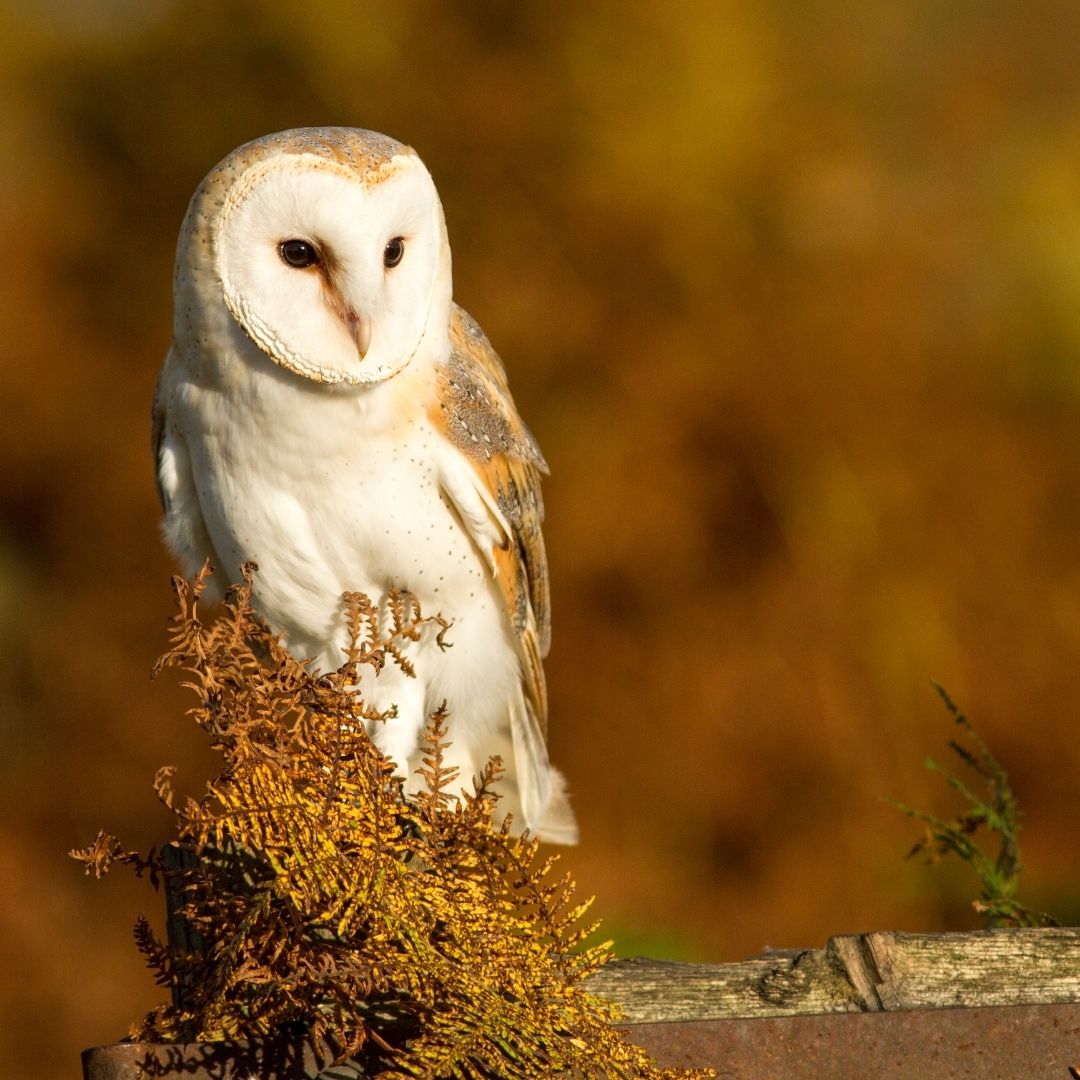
point(882, 971)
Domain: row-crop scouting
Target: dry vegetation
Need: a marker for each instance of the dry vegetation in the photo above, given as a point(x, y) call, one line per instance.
point(413, 935)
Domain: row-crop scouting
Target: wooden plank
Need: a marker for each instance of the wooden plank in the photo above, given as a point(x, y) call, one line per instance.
point(989, 967)
point(771, 985)
point(883, 971)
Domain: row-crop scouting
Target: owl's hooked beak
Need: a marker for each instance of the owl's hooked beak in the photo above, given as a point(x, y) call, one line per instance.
point(360, 331)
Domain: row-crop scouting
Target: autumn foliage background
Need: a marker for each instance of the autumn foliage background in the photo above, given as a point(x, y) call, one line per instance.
point(790, 295)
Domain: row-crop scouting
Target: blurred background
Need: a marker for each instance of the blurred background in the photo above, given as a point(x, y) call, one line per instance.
point(789, 293)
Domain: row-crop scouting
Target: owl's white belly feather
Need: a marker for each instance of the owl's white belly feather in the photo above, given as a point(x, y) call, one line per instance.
point(331, 493)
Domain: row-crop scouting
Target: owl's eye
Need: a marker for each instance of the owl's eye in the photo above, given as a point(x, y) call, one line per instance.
point(393, 252)
point(298, 254)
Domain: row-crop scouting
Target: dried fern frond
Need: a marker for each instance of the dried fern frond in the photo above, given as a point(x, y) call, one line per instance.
point(412, 934)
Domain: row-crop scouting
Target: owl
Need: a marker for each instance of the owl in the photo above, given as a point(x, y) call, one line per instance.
point(327, 411)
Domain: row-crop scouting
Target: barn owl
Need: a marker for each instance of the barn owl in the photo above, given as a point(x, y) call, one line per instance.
point(329, 412)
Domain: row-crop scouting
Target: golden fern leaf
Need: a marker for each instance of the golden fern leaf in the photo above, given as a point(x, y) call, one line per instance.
point(414, 934)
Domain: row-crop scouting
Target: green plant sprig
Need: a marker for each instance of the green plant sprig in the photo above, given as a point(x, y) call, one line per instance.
point(995, 813)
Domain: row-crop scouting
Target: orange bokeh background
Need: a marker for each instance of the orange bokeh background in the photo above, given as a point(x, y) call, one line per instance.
point(789, 294)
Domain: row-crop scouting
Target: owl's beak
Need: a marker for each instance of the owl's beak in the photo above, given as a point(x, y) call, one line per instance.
point(360, 331)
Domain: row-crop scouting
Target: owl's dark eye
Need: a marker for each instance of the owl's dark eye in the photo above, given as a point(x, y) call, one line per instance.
point(298, 254)
point(393, 252)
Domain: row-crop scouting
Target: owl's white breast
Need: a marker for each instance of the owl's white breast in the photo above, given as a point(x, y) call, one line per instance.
point(332, 491)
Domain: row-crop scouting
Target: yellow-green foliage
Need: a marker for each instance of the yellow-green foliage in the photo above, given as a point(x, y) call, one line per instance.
point(992, 813)
point(412, 934)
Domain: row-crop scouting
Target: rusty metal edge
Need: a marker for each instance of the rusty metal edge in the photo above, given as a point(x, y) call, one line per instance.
point(281, 1059)
point(1029, 1041)
point(997, 1042)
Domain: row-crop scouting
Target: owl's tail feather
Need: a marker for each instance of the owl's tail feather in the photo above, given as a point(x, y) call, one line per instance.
point(541, 790)
point(558, 824)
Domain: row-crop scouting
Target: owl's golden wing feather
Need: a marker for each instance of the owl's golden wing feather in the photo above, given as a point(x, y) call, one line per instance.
point(477, 413)
point(493, 483)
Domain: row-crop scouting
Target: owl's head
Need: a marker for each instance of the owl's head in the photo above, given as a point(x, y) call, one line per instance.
point(329, 249)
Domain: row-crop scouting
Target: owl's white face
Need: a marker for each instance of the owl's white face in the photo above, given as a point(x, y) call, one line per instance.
point(333, 276)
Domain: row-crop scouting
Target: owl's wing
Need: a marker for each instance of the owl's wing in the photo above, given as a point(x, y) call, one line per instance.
point(494, 484)
point(157, 436)
point(183, 527)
